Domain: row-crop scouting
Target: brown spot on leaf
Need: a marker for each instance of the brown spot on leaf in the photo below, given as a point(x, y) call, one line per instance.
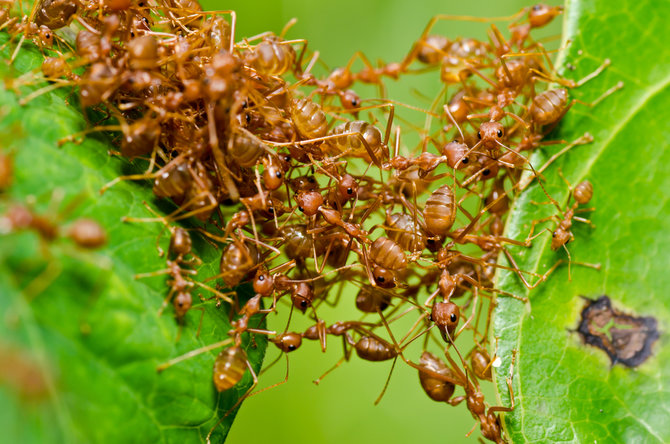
point(625, 338)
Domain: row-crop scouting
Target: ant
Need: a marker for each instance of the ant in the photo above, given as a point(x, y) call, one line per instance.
point(562, 234)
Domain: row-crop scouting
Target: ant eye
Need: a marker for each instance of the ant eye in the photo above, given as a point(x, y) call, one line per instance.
point(303, 303)
point(291, 347)
point(248, 118)
point(287, 158)
point(301, 209)
point(500, 133)
point(453, 317)
point(271, 210)
point(380, 279)
point(310, 180)
point(486, 172)
point(465, 161)
point(553, 234)
point(261, 278)
point(350, 191)
point(430, 317)
point(278, 174)
point(479, 134)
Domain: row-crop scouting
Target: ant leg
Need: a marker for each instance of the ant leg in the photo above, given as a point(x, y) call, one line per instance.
point(43, 280)
point(388, 379)
point(193, 353)
point(583, 140)
point(509, 387)
point(583, 220)
point(216, 293)
point(530, 237)
point(457, 400)
point(278, 383)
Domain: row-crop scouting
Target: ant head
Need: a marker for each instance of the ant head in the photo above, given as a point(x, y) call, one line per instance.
point(302, 296)
point(349, 99)
point(541, 14)
point(263, 282)
point(273, 176)
point(182, 303)
point(347, 187)
point(489, 168)
point(46, 36)
point(434, 244)
point(304, 183)
point(309, 202)
point(491, 134)
point(559, 238)
point(456, 154)
point(289, 341)
point(383, 278)
point(446, 316)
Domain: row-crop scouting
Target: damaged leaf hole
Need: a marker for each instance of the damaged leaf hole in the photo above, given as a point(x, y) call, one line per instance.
point(626, 339)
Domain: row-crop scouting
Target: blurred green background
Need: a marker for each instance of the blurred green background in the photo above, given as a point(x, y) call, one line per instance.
point(341, 408)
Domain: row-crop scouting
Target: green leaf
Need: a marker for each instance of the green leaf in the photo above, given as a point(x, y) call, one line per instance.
point(565, 390)
point(90, 331)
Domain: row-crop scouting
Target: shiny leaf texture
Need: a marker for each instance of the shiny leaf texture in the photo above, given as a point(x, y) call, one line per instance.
point(566, 391)
point(86, 335)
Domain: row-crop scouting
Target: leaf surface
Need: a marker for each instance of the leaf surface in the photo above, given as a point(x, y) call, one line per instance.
point(90, 331)
point(566, 391)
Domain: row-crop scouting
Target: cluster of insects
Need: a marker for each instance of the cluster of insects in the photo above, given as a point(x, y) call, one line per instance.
point(301, 184)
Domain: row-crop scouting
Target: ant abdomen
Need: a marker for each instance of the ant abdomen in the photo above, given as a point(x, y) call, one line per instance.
point(387, 254)
point(548, 106)
point(583, 192)
point(173, 182)
point(352, 142)
point(373, 349)
point(272, 58)
point(229, 368)
point(309, 119)
point(436, 389)
point(55, 14)
point(440, 211)
point(407, 233)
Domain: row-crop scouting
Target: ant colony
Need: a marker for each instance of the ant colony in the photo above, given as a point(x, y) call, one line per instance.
point(305, 187)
